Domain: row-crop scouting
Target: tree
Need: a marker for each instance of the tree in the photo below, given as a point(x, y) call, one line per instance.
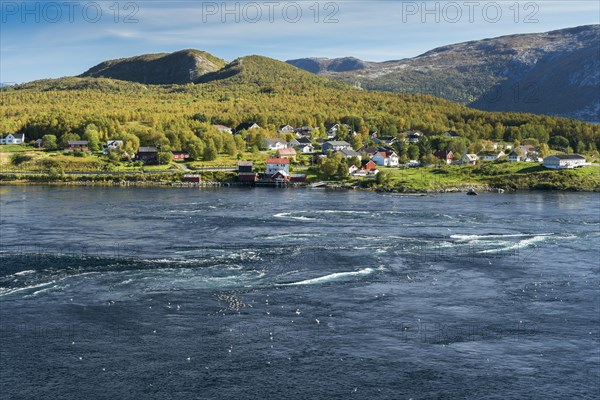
point(429, 159)
point(196, 149)
point(164, 157)
point(356, 141)
point(92, 136)
point(413, 152)
point(239, 142)
point(210, 151)
point(383, 178)
point(230, 146)
point(67, 137)
point(558, 142)
point(49, 142)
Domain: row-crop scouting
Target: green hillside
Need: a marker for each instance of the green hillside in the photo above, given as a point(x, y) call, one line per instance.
point(164, 68)
point(260, 89)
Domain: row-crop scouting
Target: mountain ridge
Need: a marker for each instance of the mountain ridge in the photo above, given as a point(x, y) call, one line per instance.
point(507, 73)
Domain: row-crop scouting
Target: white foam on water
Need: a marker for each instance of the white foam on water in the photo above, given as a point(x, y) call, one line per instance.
point(296, 217)
point(518, 245)
point(39, 285)
point(27, 272)
point(466, 238)
point(332, 277)
point(293, 235)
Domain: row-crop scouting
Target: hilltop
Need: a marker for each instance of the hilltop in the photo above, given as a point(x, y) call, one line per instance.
point(179, 67)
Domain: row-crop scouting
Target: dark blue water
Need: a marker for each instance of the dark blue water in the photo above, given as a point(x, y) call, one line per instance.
point(114, 293)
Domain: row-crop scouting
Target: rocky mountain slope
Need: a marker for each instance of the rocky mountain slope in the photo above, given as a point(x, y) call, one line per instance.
point(556, 73)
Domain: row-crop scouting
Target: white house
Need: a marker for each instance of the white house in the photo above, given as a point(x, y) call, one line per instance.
point(413, 136)
point(332, 130)
point(303, 131)
point(274, 165)
point(564, 161)
point(336, 145)
point(111, 145)
point(451, 134)
point(275, 144)
point(469, 159)
point(386, 159)
point(12, 138)
point(490, 155)
point(303, 145)
point(286, 129)
point(514, 156)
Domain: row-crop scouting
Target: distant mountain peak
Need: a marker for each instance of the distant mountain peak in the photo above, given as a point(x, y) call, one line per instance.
point(318, 65)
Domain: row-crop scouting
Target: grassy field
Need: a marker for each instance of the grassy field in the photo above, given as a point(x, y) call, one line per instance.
point(225, 160)
point(17, 148)
point(501, 175)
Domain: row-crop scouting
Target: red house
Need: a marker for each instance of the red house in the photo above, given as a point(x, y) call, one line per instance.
point(445, 156)
point(180, 155)
point(192, 178)
point(298, 178)
point(369, 165)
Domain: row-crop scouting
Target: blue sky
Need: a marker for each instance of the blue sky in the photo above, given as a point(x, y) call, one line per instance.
point(49, 39)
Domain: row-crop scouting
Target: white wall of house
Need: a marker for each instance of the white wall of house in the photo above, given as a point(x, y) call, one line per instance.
point(11, 139)
point(274, 168)
point(556, 163)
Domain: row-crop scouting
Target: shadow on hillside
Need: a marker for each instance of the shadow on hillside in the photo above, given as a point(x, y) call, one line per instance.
point(534, 168)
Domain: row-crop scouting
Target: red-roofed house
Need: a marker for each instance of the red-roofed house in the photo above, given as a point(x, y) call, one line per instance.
point(386, 158)
point(275, 165)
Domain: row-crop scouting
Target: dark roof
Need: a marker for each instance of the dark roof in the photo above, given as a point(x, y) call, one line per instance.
point(147, 150)
point(442, 153)
point(349, 152)
point(244, 125)
point(569, 157)
point(304, 140)
point(179, 152)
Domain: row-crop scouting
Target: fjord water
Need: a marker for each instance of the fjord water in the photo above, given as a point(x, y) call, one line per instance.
point(125, 293)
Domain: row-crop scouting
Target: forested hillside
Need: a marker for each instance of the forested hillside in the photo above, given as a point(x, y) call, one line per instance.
point(260, 89)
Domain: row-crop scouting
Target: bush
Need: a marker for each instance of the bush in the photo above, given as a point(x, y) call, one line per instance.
point(18, 159)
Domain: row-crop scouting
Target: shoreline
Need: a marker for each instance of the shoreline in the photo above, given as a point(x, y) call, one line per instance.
point(329, 186)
